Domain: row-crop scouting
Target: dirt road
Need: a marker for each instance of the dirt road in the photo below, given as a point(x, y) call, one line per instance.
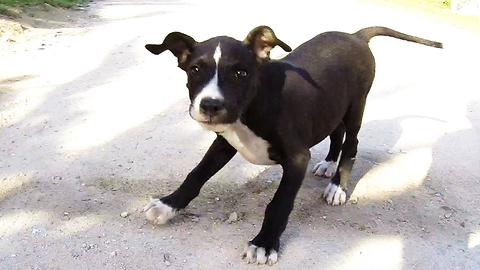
point(91, 124)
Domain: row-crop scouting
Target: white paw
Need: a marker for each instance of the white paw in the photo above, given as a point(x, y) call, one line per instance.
point(158, 212)
point(334, 195)
point(325, 168)
point(258, 255)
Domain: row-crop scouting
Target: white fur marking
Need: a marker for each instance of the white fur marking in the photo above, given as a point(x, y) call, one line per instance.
point(261, 256)
point(272, 258)
point(250, 146)
point(258, 255)
point(334, 195)
point(211, 90)
point(158, 212)
point(217, 55)
point(325, 168)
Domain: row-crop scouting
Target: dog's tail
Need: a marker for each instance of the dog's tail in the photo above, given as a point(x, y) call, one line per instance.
point(370, 32)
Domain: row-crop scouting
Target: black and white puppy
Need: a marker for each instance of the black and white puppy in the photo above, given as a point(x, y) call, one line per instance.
point(273, 111)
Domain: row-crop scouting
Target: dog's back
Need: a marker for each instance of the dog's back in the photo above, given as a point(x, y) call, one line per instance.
point(332, 71)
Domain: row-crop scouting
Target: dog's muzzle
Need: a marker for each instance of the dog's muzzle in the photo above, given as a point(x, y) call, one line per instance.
point(211, 107)
point(210, 111)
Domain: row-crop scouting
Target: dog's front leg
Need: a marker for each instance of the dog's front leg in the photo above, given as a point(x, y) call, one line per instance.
point(163, 209)
point(264, 247)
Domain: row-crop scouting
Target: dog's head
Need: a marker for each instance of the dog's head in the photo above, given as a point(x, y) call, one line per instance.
point(222, 72)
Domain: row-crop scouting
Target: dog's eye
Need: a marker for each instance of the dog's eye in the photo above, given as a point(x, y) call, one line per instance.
point(194, 70)
point(241, 73)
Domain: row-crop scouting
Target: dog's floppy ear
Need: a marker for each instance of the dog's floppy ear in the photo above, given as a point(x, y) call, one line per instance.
point(261, 40)
point(179, 44)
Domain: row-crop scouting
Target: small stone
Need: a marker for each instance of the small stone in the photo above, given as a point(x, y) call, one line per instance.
point(448, 215)
point(124, 214)
point(113, 254)
point(233, 217)
point(401, 219)
point(166, 260)
point(389, 201)
point(354, 200)
point(462, 224)
point(447, 208)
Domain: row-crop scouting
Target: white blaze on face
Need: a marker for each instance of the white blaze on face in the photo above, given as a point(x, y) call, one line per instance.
point(211, 90)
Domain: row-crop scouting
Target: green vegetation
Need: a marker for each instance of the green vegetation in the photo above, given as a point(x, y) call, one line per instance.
point(11, 7)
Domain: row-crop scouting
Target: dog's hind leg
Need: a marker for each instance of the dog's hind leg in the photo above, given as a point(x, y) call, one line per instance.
point(335, 193)
point(326, 168)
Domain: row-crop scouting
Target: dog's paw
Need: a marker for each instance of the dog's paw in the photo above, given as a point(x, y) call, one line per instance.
point(325, 168)
point(334, 195)
point(158, 212)
point(259, 255)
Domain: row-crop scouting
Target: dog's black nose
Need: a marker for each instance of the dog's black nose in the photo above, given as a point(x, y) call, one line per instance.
point(211, 106)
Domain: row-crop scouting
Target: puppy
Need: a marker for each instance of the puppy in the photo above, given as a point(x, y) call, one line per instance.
point(273, 111)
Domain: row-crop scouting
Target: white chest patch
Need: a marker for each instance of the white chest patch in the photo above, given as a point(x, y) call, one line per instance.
point(250, 146)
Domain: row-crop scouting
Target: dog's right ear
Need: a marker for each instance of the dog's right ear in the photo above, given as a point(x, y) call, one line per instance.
point(179, 44)
point(261, 40)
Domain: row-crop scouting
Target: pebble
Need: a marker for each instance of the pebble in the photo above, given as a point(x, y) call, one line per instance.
point(354, 200)
point(233, 217)
point(447, 208)
point(166, 260)
point(124, 214)
point(113, 254)
point(195, 219)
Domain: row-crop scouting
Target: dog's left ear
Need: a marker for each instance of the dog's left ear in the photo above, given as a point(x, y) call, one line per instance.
point(179, 44)
point(261, 40)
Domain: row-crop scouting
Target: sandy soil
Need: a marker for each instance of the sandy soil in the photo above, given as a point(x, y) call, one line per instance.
point(91, 124)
